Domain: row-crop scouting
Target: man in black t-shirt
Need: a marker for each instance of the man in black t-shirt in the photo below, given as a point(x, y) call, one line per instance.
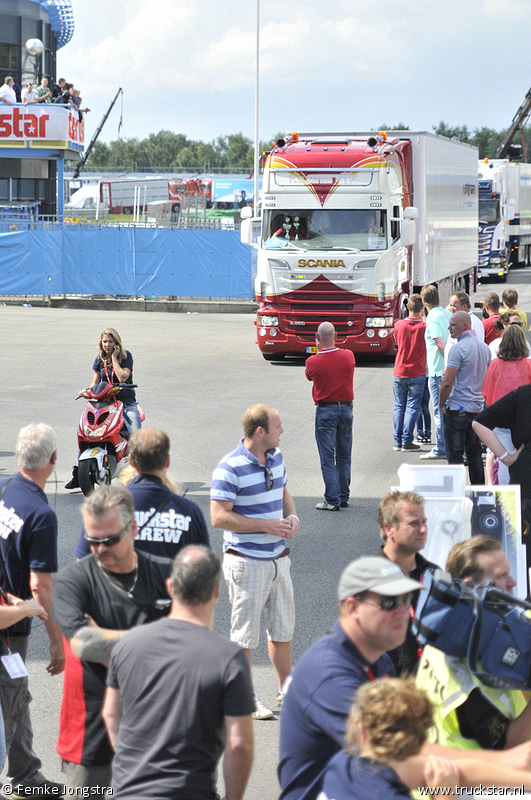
point(178, 694)
point(96, 601)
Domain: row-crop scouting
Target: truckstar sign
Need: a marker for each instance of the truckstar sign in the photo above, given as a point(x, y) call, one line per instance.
point(45, 123)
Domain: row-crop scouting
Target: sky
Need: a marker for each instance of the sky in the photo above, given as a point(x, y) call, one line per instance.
point(188, 66)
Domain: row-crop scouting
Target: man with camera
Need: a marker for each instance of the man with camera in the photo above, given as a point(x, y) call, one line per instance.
point(96, 601)
point(468, 714)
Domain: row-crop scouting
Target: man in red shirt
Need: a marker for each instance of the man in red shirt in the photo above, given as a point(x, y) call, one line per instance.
point(491, 304)
point(409, 374)
point(332, 372)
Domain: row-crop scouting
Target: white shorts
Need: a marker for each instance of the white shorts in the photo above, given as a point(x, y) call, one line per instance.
point(255, 586)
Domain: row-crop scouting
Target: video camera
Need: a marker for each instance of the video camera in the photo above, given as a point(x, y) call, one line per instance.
point(481, 624)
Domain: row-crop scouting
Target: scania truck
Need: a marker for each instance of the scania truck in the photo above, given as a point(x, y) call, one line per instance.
point(351, 224)
point(504, 217)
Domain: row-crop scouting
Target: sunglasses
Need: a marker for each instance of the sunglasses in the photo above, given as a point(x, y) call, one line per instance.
point(269, 480)
point(387, 603)
point(520, 324)
point(110, 540)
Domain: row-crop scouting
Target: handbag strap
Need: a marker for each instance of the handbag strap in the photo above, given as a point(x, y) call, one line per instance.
point(164, 502)
point(2, 559)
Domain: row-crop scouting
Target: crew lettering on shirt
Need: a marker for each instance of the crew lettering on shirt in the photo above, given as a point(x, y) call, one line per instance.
point(9, 521)
point(165, 526)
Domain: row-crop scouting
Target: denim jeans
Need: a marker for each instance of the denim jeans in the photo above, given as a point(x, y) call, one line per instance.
point(434, 384)
point(424, 417)
point(460, 439)
point(408, 394)
point(333, 434)
point(132, 416)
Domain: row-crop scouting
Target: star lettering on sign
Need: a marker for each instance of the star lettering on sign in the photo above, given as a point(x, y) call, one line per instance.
point(31, 129)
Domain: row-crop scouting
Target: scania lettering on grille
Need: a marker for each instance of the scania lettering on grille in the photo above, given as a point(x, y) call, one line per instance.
point(332, 263)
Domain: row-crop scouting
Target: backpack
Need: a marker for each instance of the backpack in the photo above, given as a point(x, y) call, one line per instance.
point(481, 624)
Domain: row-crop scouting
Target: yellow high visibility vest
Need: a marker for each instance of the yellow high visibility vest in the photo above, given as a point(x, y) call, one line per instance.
point(448, 682)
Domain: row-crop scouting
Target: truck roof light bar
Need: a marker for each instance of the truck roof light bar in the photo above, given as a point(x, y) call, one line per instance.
point(313, 170)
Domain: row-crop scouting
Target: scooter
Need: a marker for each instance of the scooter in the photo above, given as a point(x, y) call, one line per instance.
point(102, 435)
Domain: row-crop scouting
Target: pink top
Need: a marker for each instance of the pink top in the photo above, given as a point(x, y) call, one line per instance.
point(504, 376)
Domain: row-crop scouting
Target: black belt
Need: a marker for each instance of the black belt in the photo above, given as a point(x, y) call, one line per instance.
point(339, 403)
point(232, 552)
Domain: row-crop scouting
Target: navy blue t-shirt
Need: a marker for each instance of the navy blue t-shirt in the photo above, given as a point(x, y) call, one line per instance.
point(28, 535)
point(315, 709)
point(178, 523)
point(355, 778)
point(125, 395)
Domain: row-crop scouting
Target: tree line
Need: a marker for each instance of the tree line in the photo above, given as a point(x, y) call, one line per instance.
point(174, 152)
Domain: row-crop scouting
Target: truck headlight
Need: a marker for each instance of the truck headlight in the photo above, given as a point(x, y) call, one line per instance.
point(379, 322)
point(268, 321)
point(495, 261)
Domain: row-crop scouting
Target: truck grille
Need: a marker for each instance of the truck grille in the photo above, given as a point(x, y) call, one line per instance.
point(484, 245)
point(302, 311)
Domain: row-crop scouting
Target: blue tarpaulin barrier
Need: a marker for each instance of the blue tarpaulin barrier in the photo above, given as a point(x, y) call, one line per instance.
point(125, 261)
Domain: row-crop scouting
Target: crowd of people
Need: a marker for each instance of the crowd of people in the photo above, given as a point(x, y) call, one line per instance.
point(63, 93)
point(130, 621)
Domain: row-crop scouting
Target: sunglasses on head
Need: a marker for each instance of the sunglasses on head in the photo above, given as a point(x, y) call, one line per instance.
point(388, 603)
point(110, 540)
point(520, 324)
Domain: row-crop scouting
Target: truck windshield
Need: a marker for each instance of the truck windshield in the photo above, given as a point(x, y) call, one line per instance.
point(489, 211)
point(331, 229)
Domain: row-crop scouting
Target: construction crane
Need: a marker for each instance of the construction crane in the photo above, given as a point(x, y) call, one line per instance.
point(518, 124)
point(83, 160)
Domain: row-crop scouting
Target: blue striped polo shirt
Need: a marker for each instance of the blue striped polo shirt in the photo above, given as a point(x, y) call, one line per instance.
point(239, 478)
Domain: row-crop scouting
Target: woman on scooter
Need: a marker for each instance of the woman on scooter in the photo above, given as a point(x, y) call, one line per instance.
point(113, 364)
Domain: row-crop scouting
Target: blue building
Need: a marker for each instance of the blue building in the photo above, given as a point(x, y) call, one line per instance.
point(35, 139)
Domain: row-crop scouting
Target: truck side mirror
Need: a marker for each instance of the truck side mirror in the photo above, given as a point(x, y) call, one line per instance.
point(408, 232)
point(246, 231)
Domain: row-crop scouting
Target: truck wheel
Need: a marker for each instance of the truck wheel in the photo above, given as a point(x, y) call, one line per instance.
point(128, 210)
point(489, 523)
point(274, 356)
point(88, 475)
point(175, 208)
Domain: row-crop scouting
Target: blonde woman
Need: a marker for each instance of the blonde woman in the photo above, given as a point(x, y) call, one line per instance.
point(114, 365)
point(386, 730)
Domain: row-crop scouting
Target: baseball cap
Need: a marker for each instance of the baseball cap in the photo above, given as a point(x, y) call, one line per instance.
point(377, 574)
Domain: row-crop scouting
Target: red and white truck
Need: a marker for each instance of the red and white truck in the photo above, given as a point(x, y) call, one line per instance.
point(122, 195)
point(351, 224)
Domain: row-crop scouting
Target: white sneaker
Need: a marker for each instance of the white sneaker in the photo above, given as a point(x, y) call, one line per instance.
point(280, 698)
point(260, 710)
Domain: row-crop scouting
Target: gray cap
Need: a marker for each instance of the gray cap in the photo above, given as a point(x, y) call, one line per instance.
point(377, 574)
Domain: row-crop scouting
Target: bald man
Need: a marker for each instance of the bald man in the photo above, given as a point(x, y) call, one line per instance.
point(460, 398)
point(332, 372)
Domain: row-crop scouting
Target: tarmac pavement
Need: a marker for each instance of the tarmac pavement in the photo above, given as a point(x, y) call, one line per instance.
point(197, 373)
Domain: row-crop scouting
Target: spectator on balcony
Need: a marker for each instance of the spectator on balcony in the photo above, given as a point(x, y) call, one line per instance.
point(29, 95)
point(58, 89)
point(44, 91)
point(7, 92)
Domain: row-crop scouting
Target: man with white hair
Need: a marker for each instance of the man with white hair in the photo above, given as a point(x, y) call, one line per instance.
point(28, 556)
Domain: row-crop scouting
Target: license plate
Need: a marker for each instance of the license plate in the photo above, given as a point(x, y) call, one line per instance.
point(311, 350)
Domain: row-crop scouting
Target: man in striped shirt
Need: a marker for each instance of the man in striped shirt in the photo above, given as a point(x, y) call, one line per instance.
point(250, 501)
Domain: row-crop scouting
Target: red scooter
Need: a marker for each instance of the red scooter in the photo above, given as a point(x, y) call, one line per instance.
point(102, 435)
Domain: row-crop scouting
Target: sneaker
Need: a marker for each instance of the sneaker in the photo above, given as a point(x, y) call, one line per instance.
point(343, 504)
point(324, 506)
point(409, 446)
point(280, 698)
point(260, 710)
point(397, 447)
point(45, 789)
point(431, 456)
point(73, 483)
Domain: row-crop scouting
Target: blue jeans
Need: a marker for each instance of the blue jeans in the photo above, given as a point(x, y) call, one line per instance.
point(132, 416)
point(333, 434)
point(434, 384)
point(424, 417)
point(460, 439)
point(408, 394)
